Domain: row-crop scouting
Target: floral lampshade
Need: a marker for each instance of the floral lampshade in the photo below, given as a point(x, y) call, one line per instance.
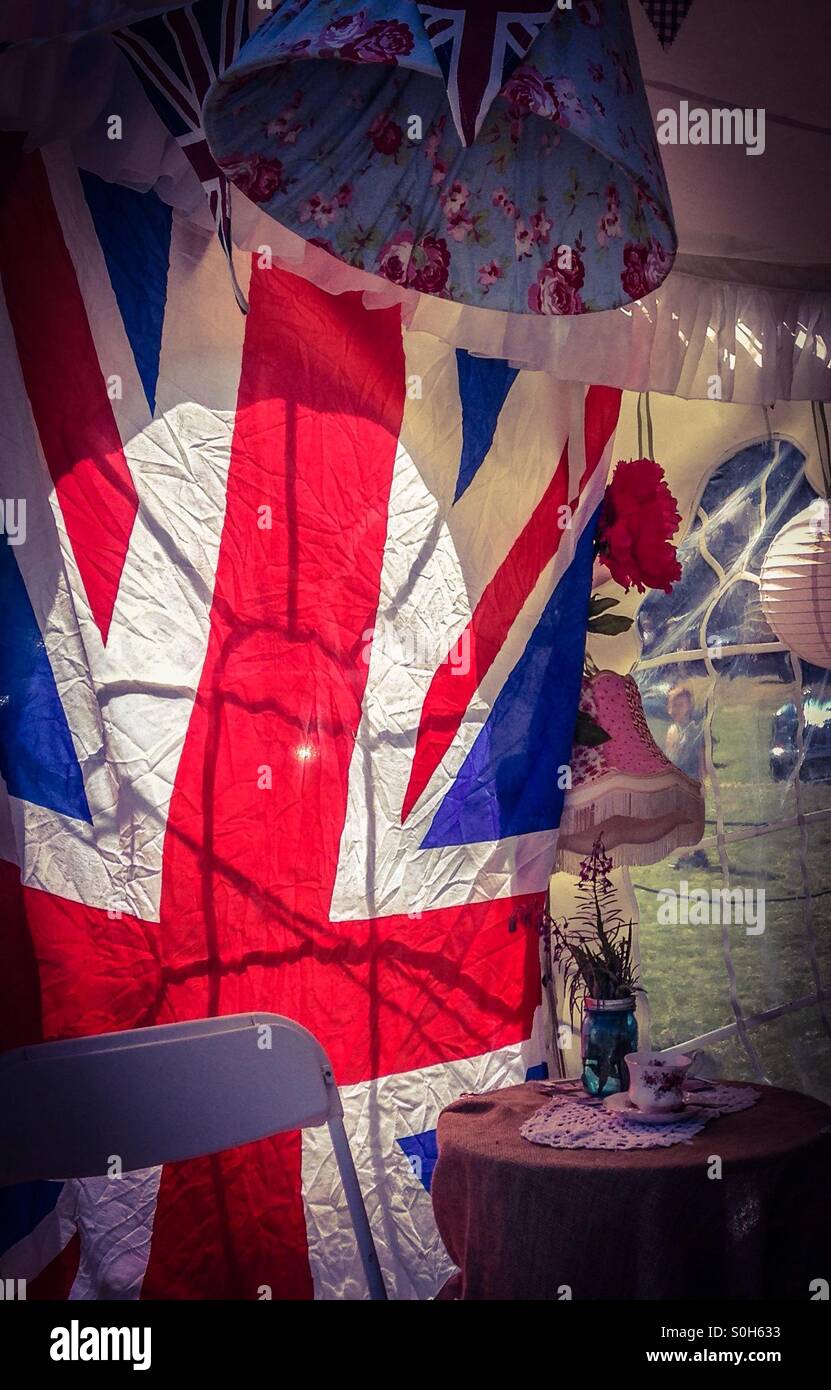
point(625, 791)
point(500, 159)
point(796, 585)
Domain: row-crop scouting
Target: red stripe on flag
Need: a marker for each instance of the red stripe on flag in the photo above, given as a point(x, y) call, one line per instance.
point(64, 382)
point(249, 870)
point(452, 688)
point(55, 1280)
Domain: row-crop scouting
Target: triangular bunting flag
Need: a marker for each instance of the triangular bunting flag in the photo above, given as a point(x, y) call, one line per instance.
point(666, 18)
point(478, 45)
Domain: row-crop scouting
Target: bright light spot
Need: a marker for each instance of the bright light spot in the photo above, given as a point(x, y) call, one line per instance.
point(303, 752)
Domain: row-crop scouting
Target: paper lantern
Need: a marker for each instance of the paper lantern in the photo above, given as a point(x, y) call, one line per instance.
point(796, 585)
point(625, 790)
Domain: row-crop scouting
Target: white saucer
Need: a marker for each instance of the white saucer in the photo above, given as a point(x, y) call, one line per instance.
point(621, 1105)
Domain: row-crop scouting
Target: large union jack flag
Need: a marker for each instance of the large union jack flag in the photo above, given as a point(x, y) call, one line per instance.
point(291, 657)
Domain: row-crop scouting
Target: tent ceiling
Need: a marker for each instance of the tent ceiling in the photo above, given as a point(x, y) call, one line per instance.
point(751, 53)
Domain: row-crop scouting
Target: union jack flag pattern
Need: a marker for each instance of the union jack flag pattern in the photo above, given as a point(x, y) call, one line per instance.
point(178, 56)
point(478, 46)
point(292, 659)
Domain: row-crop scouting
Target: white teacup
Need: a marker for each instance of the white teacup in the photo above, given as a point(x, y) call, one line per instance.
point(656, 1079)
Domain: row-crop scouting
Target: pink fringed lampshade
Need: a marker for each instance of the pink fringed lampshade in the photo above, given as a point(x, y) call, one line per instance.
point(625, 790)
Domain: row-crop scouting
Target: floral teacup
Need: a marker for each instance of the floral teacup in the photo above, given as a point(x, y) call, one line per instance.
point(656, 1079)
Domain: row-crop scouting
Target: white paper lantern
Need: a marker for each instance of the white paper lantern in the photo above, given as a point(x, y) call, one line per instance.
point(796, 585)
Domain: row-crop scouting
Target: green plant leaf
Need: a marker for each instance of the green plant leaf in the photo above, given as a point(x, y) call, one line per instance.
point(599, 605)
point(588, 733)
point(610, 624)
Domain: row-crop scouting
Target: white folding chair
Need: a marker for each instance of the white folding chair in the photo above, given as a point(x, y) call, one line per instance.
point(181, 1090)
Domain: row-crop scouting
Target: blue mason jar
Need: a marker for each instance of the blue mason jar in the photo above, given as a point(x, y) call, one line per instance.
point(608, 1032)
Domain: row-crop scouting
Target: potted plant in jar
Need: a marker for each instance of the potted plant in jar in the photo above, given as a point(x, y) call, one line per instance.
point(594, 950)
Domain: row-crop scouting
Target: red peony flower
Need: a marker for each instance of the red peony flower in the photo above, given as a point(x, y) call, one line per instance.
point(638, 520)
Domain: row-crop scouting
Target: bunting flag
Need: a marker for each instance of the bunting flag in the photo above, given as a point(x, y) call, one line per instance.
point(666, 18)
point(177, 56)
point(478, 45)
point(291, 660)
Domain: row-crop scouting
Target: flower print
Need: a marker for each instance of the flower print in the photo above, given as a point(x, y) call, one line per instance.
point(528, 91)
point(257, 177)
point(383, 42)
point(345, 30)
point(598, 106)
point(431, 150)
point(523, 241)
point(646, 265)
point(283, 127)
point(454, 206)
point(455, 199)
point(609, 224)
point(621, 64)
point(318, 210)
point(557, 286)
point(658, 263)
point(430, 265)
point(420, 265)
point(395, 258)
point(572, 110)
point(500, 199)
point(385, 135)
point(323, 211)
point(540, 226)
point(489, 274)
point(596, 72)
point(459, 225)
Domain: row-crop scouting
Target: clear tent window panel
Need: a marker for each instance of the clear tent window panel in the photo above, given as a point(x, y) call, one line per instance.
point(760, 739)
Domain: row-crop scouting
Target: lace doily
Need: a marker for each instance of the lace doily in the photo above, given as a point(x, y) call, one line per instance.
point(566, 1123)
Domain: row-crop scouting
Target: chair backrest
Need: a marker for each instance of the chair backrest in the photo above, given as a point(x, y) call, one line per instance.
point(156, 1095)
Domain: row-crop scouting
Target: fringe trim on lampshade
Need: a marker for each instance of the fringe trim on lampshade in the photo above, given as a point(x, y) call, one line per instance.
point(670, 817)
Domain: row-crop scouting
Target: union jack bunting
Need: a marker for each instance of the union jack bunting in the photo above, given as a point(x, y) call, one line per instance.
point(290, 665)
point(177, 56)
point(478, 45)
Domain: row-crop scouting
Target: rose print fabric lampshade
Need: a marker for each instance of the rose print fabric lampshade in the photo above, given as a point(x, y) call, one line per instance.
point(493, 157)
point(796, 585)
point(625, 790)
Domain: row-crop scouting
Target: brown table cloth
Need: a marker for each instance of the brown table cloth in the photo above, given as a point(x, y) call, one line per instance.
point(526, 1222)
